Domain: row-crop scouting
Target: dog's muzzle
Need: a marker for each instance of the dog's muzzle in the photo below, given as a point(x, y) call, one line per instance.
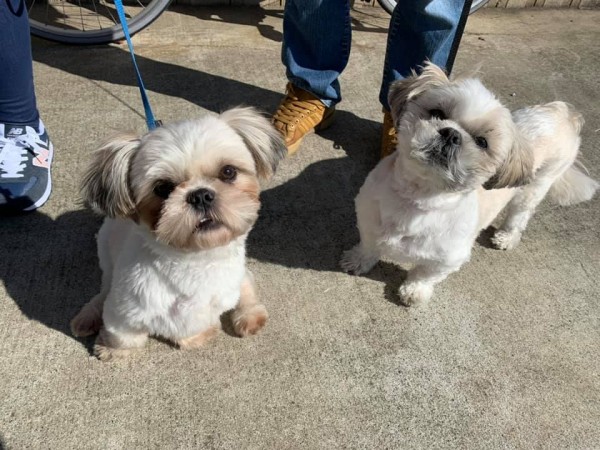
point(445, 146)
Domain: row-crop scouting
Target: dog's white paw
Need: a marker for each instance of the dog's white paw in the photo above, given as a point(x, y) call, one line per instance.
point(415, 294)
point(249, 320)
point(506, 240)
point(110, 346)
point(356, 262)
point(104, 352)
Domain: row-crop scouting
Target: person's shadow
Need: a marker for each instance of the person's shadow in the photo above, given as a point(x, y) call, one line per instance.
point(113, 65)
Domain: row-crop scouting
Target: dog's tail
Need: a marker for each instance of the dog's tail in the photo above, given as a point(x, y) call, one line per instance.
point(573, 186)
point(575, 117)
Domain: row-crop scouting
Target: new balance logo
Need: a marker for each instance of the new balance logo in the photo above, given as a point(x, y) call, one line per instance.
point(15, 131)
point(41, 160)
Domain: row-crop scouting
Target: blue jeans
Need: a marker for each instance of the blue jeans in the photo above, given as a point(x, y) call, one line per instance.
point(17, 95)
point(317, 37)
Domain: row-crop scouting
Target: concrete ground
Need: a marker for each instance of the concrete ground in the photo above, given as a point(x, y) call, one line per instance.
point(506, 356)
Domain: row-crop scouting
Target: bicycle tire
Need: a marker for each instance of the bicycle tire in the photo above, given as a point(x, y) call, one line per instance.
point(99, 36)
point(389, 5)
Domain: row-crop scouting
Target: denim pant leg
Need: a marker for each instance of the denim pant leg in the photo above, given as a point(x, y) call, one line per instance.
point(316, 45)
point(422, 30)
point(17, 95)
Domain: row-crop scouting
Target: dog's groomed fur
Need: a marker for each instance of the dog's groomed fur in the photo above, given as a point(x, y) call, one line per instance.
point(180, 202)
point(461, 158)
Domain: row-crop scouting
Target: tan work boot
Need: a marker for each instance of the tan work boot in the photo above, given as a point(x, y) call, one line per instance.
point(389, 138)
point(299, 113)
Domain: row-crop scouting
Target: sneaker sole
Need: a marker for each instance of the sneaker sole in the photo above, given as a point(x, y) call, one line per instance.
point(323, 125)
point(44, 198)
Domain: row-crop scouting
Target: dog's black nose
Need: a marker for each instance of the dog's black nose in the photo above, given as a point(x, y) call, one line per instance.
point(201, 198)
point(451, 136)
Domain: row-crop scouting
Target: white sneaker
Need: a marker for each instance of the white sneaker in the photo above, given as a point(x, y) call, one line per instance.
point(25, 158)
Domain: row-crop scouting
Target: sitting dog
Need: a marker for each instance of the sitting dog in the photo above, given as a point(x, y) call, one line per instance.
point(461, 158)
point(180, 202)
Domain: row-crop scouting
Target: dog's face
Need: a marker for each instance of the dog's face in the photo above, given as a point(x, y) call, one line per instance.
point(193, 184)
point(455, 135)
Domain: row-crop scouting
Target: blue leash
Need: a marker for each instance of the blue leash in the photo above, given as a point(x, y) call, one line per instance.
point(150, 121)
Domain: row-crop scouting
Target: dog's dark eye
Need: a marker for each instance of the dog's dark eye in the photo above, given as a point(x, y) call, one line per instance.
point(163, 188)
point(481, 142)
point(228, 173)
point(437, 113)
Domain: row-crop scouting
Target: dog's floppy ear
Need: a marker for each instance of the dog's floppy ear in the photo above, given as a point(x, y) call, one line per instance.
point(517, 169)
point(402, 91)
point(105, 184)
point(262, 139)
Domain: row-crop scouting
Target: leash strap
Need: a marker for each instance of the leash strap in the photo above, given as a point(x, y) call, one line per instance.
point(150, 121)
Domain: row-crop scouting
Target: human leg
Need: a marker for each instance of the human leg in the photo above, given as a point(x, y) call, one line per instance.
point(25, 150)
point(316, 46)
point(315, 50)
point(420, 30)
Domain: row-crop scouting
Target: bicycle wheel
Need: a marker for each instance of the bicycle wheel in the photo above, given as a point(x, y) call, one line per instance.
point(88, 22)
point(389, 5)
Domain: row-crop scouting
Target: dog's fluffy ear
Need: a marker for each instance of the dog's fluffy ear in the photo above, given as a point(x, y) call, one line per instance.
point(517, 169)
point(402, 91)
point(105, 184)
point(262, 139)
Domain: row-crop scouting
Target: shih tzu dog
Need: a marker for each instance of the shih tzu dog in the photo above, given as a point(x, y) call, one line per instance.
point(180, 202)
point(461, 158)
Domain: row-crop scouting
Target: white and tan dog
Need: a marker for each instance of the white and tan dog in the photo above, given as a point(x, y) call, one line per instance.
point(180, 202)
point(460, 159)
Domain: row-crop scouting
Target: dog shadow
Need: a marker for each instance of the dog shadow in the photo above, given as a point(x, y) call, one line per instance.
point(49, 266)
point(308, 221)
point(485, 237)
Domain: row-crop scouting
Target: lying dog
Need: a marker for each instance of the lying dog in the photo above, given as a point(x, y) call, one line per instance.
point(180, 202)
point(460, 160)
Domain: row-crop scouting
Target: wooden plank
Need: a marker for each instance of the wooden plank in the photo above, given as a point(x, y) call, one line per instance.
point(589, 3)
point(516, 3)
point(557, 3)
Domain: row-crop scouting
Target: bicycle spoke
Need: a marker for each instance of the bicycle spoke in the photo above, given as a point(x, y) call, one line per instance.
point(97, 15)
point(64, 14)
point(81, 15)
point(110, 13)
point(76, 21)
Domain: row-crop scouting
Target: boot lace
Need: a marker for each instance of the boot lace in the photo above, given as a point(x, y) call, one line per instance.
point(293, 109)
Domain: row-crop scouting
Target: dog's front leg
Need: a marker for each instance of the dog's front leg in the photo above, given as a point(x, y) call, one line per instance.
point(249, 316)
point(418, 287)
point(198, 340)
point(117, 338)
